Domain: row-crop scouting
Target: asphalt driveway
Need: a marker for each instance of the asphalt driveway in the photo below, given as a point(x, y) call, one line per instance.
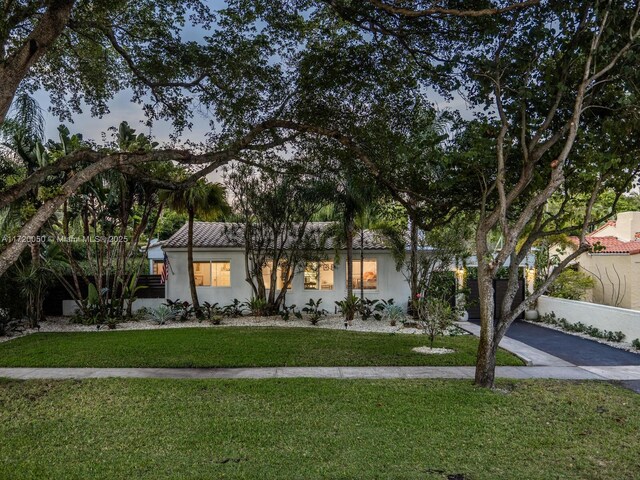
point(571, 348)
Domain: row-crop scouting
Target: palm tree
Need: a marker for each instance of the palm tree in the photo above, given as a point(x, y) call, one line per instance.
point(206, 201)
point(22, 135)
point(352, 197)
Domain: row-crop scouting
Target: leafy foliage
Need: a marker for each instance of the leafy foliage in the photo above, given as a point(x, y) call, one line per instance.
point(314, 311)
point(161, 314)
point(349, 306)
point(288, 310)
point(435, 316)
point(182, 310)
point(571, 284)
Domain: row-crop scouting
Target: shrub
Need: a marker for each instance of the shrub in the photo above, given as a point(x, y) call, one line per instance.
point(435, 316)
point(312, 308)
point(234, 309)
point(394, 314)
point(258, 307)
point(161, 314)
point(636, 344)
point(442, 285)
point(182, 311)
point(211, 312)
point(286, 312)
point(371, 308)
point(571, 284)
point(349, 306)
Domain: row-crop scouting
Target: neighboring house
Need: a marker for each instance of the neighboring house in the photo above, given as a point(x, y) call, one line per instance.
point(156, 257)
point(220, 269)
point(614, 262)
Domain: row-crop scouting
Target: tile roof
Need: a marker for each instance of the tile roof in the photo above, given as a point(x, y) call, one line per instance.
point(610, 245)
point(613, 245)
point(229, 235)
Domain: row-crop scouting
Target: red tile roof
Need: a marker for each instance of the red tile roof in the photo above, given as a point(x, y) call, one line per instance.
point(613, 245)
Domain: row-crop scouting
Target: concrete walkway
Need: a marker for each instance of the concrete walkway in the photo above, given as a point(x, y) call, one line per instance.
point(550, 372)
point(530, 355)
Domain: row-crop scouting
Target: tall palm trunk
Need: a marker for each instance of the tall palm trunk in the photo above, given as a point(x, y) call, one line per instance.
point(349, 239)
point(361, 264)
point(192, 278)
point(37, 314)
point(413, 274)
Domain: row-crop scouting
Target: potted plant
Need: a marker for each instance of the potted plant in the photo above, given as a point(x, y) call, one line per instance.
point(461, 304)
point(531, 313)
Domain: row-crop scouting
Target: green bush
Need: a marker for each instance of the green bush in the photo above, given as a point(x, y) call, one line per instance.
point(287, 312)
point(312, 308)
point(161, 314)
point(571, 285)
point(349, 306)
point(636, 344)
point(442, 285)
point(394, 314)
point(371, 308)
point(435, 316)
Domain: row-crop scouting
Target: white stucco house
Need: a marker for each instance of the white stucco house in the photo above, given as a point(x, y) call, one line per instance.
point(614, 262)
point(220, 269)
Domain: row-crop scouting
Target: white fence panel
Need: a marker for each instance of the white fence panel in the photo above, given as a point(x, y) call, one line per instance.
point(603, 317)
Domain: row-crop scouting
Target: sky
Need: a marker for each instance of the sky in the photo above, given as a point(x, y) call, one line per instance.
point(122, 109)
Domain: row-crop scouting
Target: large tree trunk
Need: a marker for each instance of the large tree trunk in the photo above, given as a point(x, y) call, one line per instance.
point(14, 69)
point(487, 346)
point(192, 278)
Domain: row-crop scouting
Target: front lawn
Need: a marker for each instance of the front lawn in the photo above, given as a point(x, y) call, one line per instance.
point(234, 347)
point(317, 429)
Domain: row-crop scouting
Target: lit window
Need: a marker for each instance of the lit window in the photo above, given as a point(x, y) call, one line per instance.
point(220, 274)
point(369, 280)
point(318, 276)
point(202, 274)
point(212, 274)
point(158, 267)
point(266, 275)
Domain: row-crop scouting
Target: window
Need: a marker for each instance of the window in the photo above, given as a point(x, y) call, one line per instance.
point(266, 275)
point(158, 267)
point(369, 279)
point(212, 274)
point(318, 276)
point(220, 274)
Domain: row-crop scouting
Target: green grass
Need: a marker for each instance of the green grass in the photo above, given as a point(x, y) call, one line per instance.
point(316, 429)
point(233, 347)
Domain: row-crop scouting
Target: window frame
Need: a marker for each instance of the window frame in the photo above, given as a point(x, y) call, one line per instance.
point(278, 277)
point(211, 262)
point(357, 271)
point(157, 263)
point(318, 282)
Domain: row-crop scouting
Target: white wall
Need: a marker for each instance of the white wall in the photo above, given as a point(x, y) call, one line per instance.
point(600, 316)
point(69, 307)
point(391, 283)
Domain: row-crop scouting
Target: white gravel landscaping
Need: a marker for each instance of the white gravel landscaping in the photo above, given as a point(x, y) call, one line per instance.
point(336, 322)
point(432, 351)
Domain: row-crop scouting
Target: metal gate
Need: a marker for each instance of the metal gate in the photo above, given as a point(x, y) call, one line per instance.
point(499, 289)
